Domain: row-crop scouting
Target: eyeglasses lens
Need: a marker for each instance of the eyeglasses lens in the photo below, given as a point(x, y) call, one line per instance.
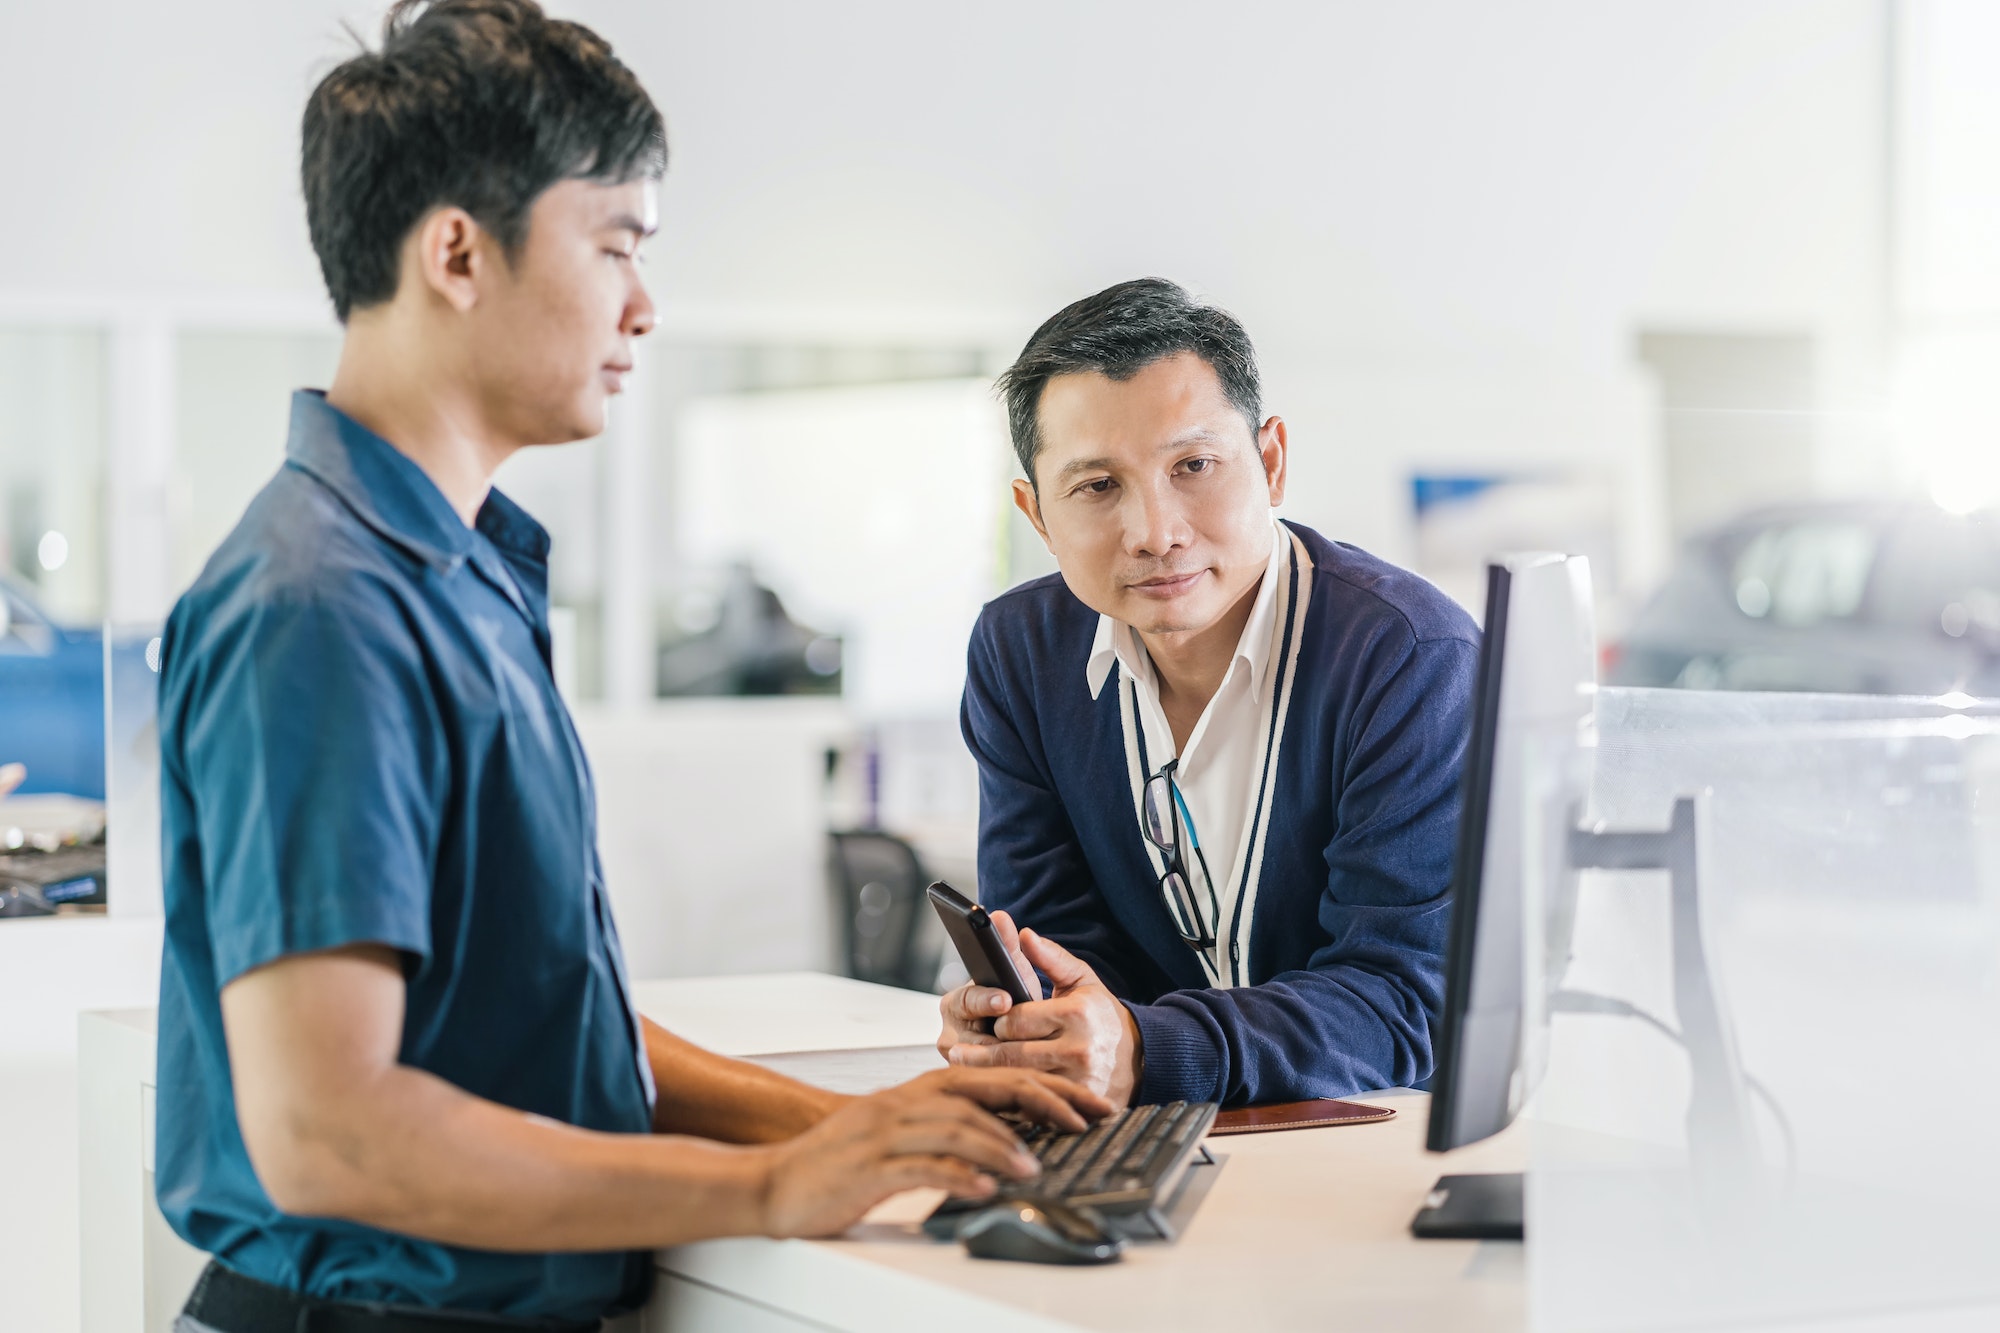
point(1159, 811)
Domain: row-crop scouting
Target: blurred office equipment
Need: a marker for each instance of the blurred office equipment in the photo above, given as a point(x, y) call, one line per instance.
point(51, 855)
point(49, 823)
point(913, 777)
point(1461, 520)
point(885, 925)
point(875, 512)
point(1861, 597)
point(51, 697)
point(45, 883)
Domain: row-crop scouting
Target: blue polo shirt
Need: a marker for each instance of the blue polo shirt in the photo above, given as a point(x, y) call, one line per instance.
point(361, 741)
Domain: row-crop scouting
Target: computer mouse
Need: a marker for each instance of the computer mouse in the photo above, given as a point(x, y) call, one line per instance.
point(1040, 1231)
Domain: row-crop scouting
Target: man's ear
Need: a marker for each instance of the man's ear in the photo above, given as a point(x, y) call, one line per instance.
point(1273, 447)
point(448, 254)
point(1030, 504)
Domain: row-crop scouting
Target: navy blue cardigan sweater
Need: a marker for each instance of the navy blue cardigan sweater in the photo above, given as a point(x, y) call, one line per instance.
point(1346, 939)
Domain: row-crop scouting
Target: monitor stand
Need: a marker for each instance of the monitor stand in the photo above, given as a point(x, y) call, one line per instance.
point(1720, 1157)
point(1484, 1207)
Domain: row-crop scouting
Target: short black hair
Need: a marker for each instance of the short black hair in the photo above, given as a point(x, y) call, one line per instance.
point(1118, 333)
point(479, 104)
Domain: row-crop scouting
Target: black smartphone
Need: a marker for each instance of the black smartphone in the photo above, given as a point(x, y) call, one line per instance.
point(978, 944)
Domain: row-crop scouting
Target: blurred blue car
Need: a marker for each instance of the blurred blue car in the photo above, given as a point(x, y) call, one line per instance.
point(51, 698)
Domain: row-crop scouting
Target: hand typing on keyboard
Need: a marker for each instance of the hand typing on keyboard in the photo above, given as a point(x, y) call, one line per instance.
point(1082, 1031)
point(1123, 1171)
point(939, 1130)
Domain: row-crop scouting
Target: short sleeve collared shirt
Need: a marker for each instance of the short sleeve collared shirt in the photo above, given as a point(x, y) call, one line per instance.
point(361, 742)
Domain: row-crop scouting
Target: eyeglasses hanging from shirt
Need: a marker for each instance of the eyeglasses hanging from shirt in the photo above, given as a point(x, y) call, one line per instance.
point(1164, 813)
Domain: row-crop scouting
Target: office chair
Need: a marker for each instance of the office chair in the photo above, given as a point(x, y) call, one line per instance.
point(878, 883)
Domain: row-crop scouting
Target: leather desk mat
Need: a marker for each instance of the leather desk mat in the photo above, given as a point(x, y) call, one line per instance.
point(1297, 1115)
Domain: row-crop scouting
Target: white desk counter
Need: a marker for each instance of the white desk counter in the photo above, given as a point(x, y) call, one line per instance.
point(1303, 1229)
point(1306, 1229)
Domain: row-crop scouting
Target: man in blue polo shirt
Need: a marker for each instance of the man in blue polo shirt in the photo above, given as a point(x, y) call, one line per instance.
point(402, 1085)
point(1218, 753)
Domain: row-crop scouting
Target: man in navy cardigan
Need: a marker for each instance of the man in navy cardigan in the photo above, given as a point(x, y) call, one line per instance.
point(1218, 753)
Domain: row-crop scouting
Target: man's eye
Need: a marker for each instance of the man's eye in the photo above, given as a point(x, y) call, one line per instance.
point(1199, 464)
point(1098, 487)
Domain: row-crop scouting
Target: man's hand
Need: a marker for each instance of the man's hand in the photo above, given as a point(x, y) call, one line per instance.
point(970, 1010)
point(337, 1127)
point(1082, 1032)
point(929, 1132)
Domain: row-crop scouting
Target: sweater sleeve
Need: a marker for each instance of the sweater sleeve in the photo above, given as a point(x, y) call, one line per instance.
point(1031, 863)
point(1358, 1016)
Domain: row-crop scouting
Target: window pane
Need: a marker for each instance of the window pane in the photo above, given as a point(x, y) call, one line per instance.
point(52, 396)
point(1803, 573)
point(233, 394)
point(52, 423)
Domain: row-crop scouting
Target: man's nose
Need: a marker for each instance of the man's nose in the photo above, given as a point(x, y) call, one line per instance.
point(640, 317)
point(1154, 522)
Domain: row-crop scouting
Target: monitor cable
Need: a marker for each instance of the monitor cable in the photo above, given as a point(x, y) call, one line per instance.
point(1584, 1002)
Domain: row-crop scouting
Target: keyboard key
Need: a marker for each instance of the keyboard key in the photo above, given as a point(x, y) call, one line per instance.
point(1116, 1168)
point(1112, 1156)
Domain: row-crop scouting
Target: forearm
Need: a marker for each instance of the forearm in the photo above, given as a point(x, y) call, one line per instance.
point(715, 1097)
point(410, 1153)
point(1320, 1033)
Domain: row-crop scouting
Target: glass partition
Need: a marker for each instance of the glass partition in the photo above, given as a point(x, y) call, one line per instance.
point(52, 579)
point(1772, 1098)
point(132, 768)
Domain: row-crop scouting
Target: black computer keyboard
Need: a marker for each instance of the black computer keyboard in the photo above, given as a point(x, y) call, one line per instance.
point(1125, 1169)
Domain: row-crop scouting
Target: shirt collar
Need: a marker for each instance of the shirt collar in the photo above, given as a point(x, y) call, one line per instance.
point(392, 495)
point(1116, 642)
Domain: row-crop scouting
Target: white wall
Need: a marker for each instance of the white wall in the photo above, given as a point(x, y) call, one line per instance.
point(711, 822)
point(1947, 120)
point(1468, 190)
point(51, 971)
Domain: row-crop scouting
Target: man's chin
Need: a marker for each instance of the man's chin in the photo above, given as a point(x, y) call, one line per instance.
point(1152, 618)
point(584, 421)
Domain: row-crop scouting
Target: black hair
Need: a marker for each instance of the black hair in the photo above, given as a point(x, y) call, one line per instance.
point(480, 104)
point(1118, 333)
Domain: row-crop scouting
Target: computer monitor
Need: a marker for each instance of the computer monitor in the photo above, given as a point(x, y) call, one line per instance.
point(1535, 691)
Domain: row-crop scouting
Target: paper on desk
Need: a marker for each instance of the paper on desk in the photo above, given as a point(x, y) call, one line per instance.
point(782, 1013)
point(856, 1072)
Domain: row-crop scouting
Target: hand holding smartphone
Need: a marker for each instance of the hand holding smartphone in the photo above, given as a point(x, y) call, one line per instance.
point(986, 959)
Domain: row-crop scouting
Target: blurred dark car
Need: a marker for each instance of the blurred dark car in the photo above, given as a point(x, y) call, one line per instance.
point(1855, 598)
point(51, 698)
point(754, 647)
